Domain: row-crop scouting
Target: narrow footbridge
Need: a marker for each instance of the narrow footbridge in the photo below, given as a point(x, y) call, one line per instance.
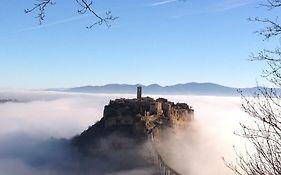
point(163, 167)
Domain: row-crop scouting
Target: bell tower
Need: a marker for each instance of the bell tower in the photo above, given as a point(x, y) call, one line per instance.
point(139, 92)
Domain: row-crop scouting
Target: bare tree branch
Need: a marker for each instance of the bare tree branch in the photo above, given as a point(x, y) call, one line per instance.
point(271, 4)
point(85, 6)
point(264, 108)
point(41, 6)
point(273, 28)
point(264, 135)
point(273, 59)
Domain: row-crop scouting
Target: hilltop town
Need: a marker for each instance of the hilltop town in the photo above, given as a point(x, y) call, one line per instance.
point(138, 118)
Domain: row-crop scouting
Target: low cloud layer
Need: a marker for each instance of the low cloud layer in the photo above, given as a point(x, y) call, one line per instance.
point(199, 149)
point(26, 129)
point(49, 114)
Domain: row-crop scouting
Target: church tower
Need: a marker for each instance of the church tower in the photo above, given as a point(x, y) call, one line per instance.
point(139, 92)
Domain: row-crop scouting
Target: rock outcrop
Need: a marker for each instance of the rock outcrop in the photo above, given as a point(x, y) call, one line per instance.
point(137, 118)
point(128, 126)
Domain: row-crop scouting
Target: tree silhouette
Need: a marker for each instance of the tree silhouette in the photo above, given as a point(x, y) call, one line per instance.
point(84, 6)
point(264, 107)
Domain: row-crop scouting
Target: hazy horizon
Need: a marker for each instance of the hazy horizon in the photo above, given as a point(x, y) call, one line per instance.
point(55, 89)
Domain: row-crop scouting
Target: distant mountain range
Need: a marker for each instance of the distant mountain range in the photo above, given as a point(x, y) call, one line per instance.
point(178, 89)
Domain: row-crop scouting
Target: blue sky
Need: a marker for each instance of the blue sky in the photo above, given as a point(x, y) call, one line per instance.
point(153, 41)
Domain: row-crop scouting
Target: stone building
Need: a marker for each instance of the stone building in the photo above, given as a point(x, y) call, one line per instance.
point(144, 115)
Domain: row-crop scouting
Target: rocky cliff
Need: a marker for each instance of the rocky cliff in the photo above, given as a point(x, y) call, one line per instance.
point(137, 118)
point(120, 139)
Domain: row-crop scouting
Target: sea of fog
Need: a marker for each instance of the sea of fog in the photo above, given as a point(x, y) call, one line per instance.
point(39, 116)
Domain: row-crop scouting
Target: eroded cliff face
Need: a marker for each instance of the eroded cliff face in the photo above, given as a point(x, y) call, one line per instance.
point(138, 118)
point(128, 129)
